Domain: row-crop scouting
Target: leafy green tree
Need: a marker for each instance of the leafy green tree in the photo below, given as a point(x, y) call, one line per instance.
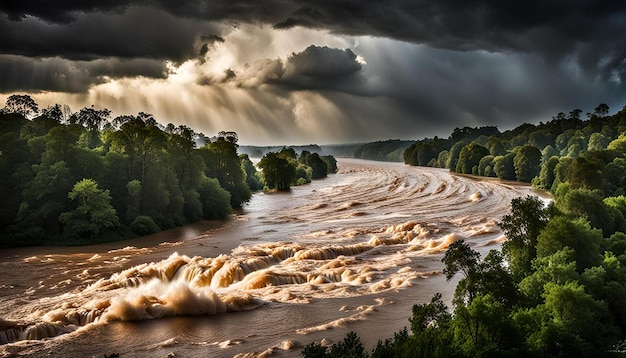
point(314, 350)
point(351, 346)
point(44, 198)
point(598, 141)
point(482, 326)
point(527, 163)
point(541, 138)
point(496, 146)
point(60, 143)
point(547, 173)
point(442, 159)
point(432, 334)
point(562, 140)
point(331, 163)
point(617, 202)
point(181, 144)
point(469, 158)
point(558, 268)
point(304, 173)
point(93, 214)
point(580, 173)
point(229, 136)
point(461, 258)
point(16, 163)
point(39, 126)
point(94, 120)
point(485, 166)
point(619, 144)
point(133, 205)
point(215, 200)
point(576, 144)
point(574, 309)
point(503, 166)
point(318, 166)
point(522, 227)
point(497, 280)
point(589, 204)
point(549, 152)
point(614, 178)
point(561, 232)
point(453, 155)
point(54, 113)
point(144, 225)
point(141, 140)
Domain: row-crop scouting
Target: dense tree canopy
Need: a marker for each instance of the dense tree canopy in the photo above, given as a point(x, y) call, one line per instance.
point(83, 177)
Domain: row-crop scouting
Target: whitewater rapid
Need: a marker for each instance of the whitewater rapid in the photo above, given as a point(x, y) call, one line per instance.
point(351, 252)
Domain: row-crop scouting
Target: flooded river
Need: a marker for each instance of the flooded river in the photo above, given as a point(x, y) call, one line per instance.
point(352, 252)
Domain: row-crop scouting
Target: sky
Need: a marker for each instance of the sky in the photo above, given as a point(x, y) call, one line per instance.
point(324, 72)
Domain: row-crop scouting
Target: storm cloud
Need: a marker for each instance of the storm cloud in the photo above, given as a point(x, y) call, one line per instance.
point(586, 29)
point(61, 75)
point(315, 68)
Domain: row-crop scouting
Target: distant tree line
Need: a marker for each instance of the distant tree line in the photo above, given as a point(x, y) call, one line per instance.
point(529, 151)
point(82, 177)
point(558, 286)
point(387, 150)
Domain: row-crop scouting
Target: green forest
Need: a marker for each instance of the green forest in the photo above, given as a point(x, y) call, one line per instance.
point(557, 288)
point(71, 178)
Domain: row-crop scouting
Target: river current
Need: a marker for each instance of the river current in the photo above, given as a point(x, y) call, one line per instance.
point(352, 252)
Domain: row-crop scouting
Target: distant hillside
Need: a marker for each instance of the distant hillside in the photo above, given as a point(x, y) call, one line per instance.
point(342, 150)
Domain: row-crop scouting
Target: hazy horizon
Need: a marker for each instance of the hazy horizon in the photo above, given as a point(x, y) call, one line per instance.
point(301, 72)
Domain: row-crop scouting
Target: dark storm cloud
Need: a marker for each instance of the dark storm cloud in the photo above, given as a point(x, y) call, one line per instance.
point(139, 32)
point(315, 68)
point(322, 62)
point(55, 74)
point(590, 30)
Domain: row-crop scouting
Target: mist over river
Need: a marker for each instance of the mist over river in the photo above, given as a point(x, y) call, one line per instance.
point(352, 252)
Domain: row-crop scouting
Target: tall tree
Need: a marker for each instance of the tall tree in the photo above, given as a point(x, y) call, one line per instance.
point(522, 227)
point(227, 169)
point(461, 258)
point(21, 104)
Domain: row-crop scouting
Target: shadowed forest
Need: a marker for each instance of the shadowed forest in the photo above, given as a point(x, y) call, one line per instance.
point(558, 286)
point(84, 177)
